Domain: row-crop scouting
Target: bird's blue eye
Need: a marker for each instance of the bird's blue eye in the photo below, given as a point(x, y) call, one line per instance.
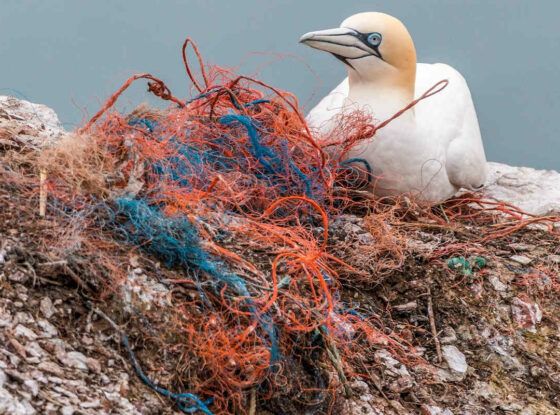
point(374, 39)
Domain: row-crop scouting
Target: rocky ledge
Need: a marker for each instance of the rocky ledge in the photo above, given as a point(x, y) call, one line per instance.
point(498, 331)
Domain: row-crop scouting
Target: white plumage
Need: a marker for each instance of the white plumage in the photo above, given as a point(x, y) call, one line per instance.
point(432, 150)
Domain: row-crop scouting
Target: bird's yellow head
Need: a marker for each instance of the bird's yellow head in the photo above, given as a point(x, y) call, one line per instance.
point(374, 46)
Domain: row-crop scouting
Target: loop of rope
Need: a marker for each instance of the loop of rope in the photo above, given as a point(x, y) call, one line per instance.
point(200, 62)
point(157, 87)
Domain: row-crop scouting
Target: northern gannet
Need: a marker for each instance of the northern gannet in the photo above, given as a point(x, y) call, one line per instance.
point(430, 151)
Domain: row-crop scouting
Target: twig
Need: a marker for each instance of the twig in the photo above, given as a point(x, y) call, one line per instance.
point(253, 402)
point(433, 325)
point(106, 317)
point(375, 380)
point(55, 263)
point(74, 276)
point(444, 214)
point(42, 193)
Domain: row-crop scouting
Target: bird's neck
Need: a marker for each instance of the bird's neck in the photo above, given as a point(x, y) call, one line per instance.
point(385, 94)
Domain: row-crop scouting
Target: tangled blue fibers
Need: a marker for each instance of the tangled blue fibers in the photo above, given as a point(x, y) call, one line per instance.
point(176, 241)
point(277, 167)
point(188, 167)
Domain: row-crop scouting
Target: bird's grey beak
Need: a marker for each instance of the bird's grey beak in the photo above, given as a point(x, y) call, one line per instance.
point(342, 42)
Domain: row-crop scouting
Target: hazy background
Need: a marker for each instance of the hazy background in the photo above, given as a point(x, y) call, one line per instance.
point(56, 51)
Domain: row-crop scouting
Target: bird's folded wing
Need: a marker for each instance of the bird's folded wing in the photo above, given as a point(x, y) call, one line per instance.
point(455, 123)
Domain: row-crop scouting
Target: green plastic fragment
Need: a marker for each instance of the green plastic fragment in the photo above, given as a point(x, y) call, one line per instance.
point(458, 263)
point(461, 265)
point(479, 262)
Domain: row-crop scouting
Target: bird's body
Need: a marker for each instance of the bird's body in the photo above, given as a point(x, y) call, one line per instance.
point(431, 150)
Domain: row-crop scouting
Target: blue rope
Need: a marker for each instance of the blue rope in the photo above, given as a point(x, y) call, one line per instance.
point(271, 162)
point(187, 402)
point(147, 123)
point(257, 101)
point(364, 162)
point(176, 240)
point(546, 280)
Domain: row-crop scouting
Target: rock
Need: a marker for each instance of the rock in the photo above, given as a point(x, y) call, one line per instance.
point(93, 365)
point(520, 246)
point(402, 384)
point(537, 371)
point(17, 276)
point(65, 392)
point(3, 255)
point(51, 367)
point(419, 351)
point(365, 239)
point(32, 124)
point(24, 318)
point(48, 329)
point(351, 230)
point(456, 361)
point(3, 378)
point(526, 313)
point(32, 386)
point(413, 305)
point(47, 308)
point(360, 387)
point(20, 349)
point(139, 289)
point(392, 365)
point(38, 376)
point(511, 407)
point(522, 259)
point(484, 390)
point(533, 191)
point(74, 360)
point(435, 410)
point(84, 385)
point(23, 332)
point(498, 285)
point(5, 318)
point(33, 349)
point(509, 362)
point(448, 336)
point(91, 404)
point(54, 379)
point(68, 410)
point(360, 407)
point(10, 405)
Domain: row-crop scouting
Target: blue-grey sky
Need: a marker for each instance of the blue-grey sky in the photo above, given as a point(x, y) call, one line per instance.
point(59, 51)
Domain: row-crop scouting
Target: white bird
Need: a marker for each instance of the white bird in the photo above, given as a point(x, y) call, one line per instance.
point(430, 151)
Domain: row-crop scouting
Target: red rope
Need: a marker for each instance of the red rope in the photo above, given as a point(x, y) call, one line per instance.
point(432, 91)
point(157, 87)
point(368, 130)
point(200, 62)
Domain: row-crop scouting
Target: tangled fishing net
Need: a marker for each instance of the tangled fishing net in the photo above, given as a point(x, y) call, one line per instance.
point(228, 197)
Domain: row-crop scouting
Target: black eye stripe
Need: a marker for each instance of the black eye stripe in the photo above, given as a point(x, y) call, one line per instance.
point(363, 37)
